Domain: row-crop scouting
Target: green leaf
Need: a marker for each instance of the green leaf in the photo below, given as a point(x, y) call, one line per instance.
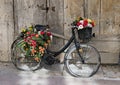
point(20, 44)
point(28, 52)
point(36, 39)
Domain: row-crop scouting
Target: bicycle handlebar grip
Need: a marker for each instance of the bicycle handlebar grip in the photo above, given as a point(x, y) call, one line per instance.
point(93, 35)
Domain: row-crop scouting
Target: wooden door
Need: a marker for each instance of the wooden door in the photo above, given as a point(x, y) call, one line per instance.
point(44, 12)
point(28, 12)
point(14, 15)
point(55, 19)
point(72, 10)
point(6, 28)
point(106, 15)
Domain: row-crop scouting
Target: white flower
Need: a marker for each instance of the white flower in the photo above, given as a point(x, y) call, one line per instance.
point(39, 32)
point(89, 25)
point(22, 55)
point(51, 37)
point(81, 21)
point(80, 27)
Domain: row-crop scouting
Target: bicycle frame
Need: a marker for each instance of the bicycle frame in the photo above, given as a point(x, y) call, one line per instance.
point(72, 39)
point(56, 53)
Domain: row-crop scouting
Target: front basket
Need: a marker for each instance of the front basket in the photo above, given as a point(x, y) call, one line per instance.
point(85, 34)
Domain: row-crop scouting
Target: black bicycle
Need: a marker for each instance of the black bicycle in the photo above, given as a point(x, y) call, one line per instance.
point(80, 60)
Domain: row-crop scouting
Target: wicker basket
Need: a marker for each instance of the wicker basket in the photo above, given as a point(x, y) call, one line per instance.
point(85, 34)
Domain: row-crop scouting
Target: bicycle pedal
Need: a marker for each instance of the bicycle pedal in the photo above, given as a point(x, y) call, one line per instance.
point(57, 61)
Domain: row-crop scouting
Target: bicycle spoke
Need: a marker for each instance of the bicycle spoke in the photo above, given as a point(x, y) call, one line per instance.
point(76, 67)
point(20, 59)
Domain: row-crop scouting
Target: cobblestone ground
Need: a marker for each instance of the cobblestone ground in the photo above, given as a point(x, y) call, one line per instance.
point(56, 75)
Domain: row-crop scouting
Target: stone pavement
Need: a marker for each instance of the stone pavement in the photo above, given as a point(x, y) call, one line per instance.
point(56, 75)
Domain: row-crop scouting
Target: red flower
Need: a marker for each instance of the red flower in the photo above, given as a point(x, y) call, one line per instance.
point(85, 23)
point(42, 32)
point(78, 23)
point(33, 35)
point(33, 43)
point(93, 24)
point(25, 40)
point(49, 33)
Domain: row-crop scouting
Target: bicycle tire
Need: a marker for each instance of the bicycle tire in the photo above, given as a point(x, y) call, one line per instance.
point(91, 57)
point(17, 54)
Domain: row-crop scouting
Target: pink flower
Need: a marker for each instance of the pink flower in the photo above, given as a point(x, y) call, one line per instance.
point(28, 33)
point(29, 37)
point(33, 43)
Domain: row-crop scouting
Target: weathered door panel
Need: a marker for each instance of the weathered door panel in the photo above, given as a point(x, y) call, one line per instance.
point(107, 41)
point(93, 12)
point(72, 10)
point(106, 15)
point(6, 28)
point(28, 12)
point(15, 14)
point(55, 19)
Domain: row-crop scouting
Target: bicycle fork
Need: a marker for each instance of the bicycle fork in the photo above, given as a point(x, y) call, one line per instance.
point(77, 45)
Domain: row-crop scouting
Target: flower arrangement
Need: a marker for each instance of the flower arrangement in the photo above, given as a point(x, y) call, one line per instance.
point(83, 23)
point(35, 42)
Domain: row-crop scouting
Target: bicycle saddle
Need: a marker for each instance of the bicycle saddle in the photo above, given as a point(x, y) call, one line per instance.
point(41, 27)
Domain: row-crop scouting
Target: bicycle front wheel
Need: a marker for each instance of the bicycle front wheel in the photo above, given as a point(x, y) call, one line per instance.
point(19, 58)
point(91, 59)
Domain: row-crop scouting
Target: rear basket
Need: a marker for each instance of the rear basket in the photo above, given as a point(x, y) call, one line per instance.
point(85, 34)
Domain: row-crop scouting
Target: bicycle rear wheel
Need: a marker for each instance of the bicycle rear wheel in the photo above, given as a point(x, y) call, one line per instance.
point(19, 58)
point(91, 58)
